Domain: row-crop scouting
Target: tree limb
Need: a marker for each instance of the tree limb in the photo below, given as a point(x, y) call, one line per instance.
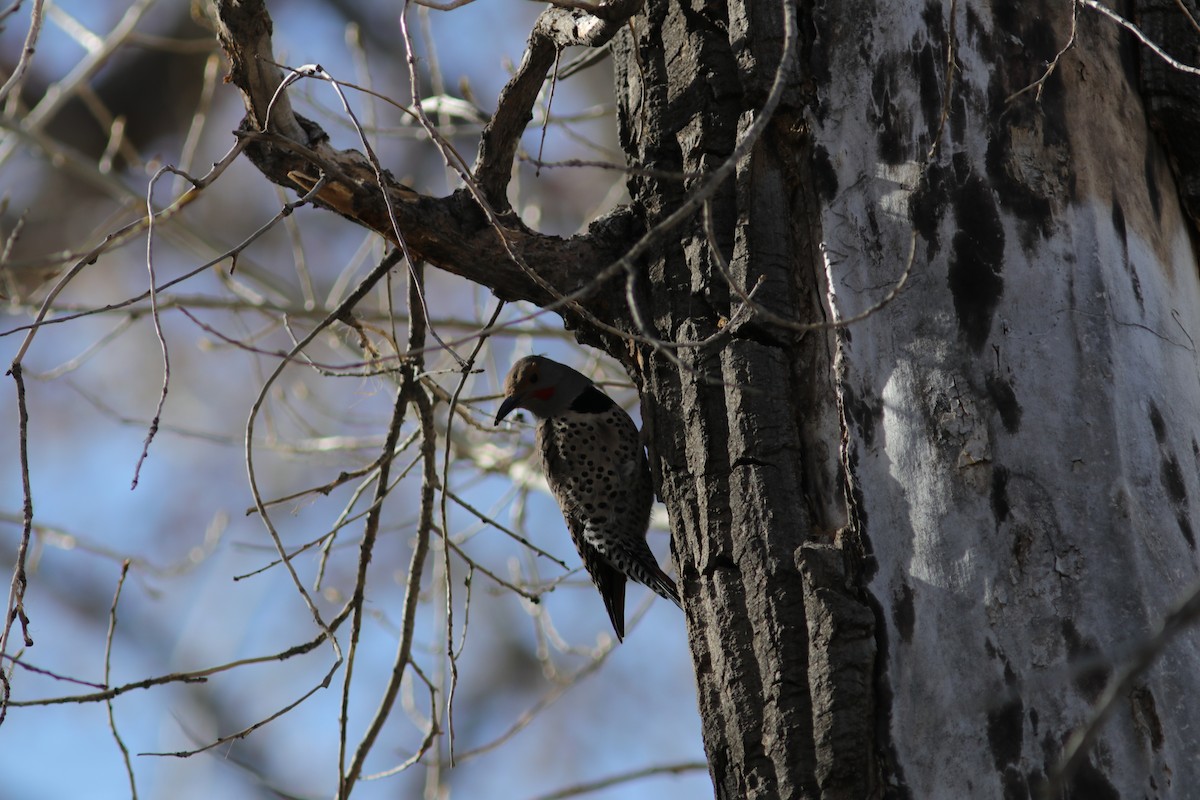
point(554, 29)
point(452, 233)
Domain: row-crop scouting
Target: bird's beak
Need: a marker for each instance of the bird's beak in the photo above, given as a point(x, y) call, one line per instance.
point(506, 407)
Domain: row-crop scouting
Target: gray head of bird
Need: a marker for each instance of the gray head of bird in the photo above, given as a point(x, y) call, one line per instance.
point(541, 386)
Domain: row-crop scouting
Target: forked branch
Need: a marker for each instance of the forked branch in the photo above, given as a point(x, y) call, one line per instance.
point(453, 233)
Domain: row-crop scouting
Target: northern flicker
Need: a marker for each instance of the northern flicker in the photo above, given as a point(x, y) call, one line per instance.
point(598, 472)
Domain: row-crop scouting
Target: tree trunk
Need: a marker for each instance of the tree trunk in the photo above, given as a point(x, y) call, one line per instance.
point(915, 548)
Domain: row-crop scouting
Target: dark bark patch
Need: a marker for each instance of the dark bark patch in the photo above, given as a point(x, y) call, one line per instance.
point(1089, 782)
point(1000, 506)
point(1034, 778)
point(904, 615)
point(1136, 284)
point(1158, 424)
point(748, 461)
point(927, 61)
point(889, 761)
point(1014, 785)
point(1172, 479)
point(866, 414)
point(1022, 543)
point(1171, 97)
point(1118, 223)
point(719, 562)
point(1090, 672)
point(891, 120)
point(1170, 475)
point(1145, 716)
point(824, 175)
point(926, 205)
point(975, 275)
point(1151, 175)
point(1050, 753)
point(1005, 399)
point(1017, 197)
point(1184, 520)
point(1028, 147)
point(1005, 729)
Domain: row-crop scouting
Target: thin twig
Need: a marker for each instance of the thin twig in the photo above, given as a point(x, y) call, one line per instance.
point(758, 309)
point(108, 641)
point(1040, 83)
point(467, 367)
point(589, 787)
point(18, 662)
point(492, 522)
point(244, 732)
point(158, 331)
point(27, 50)
point(1141, 37)
point(16, 589)
point(120, 237)
point(431, 732)
point(1187, 13)
point(412, 589)
point(544, 702)
point(194, 676)
point(344, 307)
point(366, 548)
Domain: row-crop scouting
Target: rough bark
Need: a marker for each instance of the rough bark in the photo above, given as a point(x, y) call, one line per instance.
point(745, 437)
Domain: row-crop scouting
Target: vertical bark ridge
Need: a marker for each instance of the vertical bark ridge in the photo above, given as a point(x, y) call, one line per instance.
point(747, 466)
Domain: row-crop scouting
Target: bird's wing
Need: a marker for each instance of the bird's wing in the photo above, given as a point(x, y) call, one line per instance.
point(608, 579)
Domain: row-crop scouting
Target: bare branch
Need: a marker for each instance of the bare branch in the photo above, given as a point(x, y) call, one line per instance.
point(16, 589)
point(555, 29)
point(112, 720)
point(449, 232)
point(1140, 36)
point(580, 789)
point(31, 37)
point(413, 587)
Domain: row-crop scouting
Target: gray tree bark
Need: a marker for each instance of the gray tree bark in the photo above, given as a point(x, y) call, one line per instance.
point(916, 548)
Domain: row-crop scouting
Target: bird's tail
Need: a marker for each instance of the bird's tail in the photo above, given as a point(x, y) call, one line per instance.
point(662, 585)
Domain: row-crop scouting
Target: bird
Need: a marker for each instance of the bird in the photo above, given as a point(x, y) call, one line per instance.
point(598, 472)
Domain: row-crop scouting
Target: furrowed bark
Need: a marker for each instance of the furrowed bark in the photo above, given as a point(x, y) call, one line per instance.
point(745, 435)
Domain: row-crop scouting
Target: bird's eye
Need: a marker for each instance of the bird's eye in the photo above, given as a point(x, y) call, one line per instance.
point(533, 378)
